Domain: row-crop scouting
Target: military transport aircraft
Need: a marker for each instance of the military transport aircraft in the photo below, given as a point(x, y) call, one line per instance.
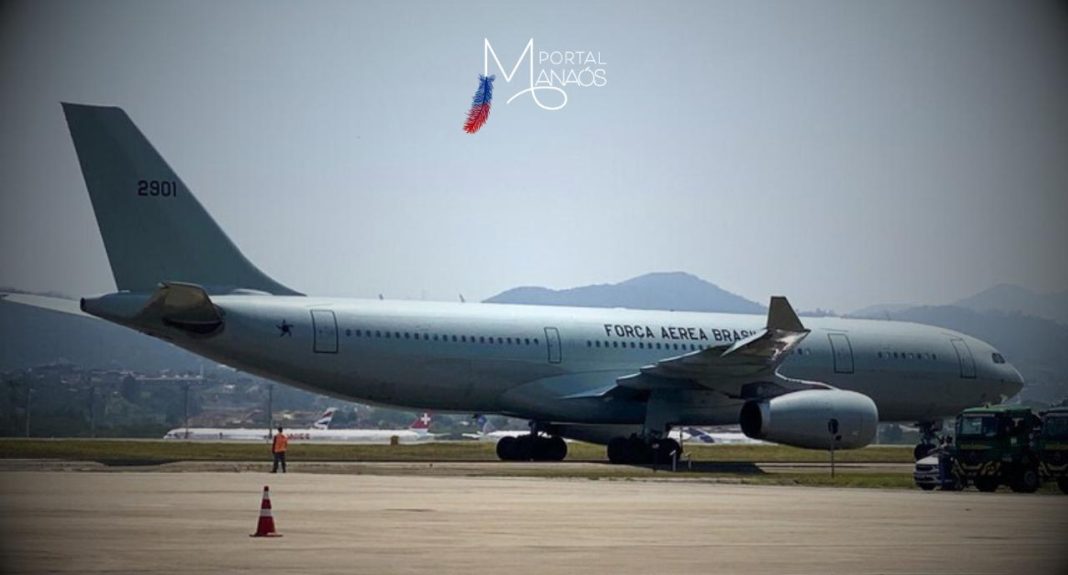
point(619, 377)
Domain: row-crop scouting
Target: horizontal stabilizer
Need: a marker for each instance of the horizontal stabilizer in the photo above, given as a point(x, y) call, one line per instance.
point(57, 304)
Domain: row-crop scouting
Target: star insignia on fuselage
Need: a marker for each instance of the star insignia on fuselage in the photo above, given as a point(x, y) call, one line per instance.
point(285, 329)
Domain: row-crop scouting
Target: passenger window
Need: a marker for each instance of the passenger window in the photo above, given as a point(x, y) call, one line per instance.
point(481, 339)
point(526, 340)
point(535, 341)
point(348, 333)
point(598, 343)
point(615, 344)
point(500, 340)
point(378, 333)
point(589, 343)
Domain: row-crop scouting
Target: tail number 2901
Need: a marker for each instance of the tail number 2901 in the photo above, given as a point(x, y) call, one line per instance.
point(159, 188)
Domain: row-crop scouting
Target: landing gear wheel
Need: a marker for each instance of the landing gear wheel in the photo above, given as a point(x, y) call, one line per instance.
point(922, 450)
point(506, 450)
point(666, 449)
point(641, 453)
point(986, 484)
point(555, 449)
point(618, 451)
point(927, 486)
point(1063, 484)
point(1025, 481)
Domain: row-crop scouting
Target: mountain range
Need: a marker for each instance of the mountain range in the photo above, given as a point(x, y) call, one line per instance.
point(675, 291)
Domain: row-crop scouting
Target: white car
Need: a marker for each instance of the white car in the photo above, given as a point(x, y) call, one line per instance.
point(928, 474)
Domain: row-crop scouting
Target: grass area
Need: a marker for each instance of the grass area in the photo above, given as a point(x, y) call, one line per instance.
point(111, 450)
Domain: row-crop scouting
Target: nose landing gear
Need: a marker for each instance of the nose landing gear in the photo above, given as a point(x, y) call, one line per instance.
point(928, 438)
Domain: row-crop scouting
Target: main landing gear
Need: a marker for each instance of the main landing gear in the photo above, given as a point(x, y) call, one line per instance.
point(532, 447)
point(635, 450)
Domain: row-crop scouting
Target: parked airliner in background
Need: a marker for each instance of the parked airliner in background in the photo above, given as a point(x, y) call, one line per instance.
point(487, 432)
point(241, 433)
point(418, 431)
point(620, 377)
point(691, 434)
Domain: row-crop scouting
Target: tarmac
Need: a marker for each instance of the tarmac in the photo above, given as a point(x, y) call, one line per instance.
point(196, 521)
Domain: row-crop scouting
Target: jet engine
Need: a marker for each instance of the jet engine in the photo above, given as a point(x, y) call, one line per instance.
point(813, 419)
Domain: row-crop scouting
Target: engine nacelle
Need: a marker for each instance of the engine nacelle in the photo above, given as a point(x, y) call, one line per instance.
point(812, 419)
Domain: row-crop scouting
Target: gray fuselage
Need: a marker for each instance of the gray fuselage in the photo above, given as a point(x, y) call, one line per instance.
point(549, 363)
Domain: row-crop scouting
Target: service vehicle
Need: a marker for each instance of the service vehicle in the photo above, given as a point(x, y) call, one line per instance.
point(1051, 446)
point(994, 447)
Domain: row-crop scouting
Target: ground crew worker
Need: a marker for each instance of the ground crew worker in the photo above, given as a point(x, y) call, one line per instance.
point(278, 448)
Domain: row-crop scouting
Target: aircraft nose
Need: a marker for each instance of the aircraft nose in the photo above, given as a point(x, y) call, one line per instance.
point(1012, 381)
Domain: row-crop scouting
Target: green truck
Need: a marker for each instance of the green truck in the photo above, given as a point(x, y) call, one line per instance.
point(996, 446)
point(1051, 447)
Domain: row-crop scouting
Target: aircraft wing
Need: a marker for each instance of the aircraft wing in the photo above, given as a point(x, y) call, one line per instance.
point(746, 368)
point(57, 304)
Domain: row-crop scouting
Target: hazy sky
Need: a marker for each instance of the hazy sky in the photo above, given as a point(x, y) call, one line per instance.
point(840, 153)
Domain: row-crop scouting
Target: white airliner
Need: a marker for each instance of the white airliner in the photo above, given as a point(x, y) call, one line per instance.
point(616, 376)
point(240, 433)
point(418, 431)
point(691, 434)
point(487, 432)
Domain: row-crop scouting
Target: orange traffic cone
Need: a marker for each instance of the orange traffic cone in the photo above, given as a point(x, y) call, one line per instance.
point(265, 526)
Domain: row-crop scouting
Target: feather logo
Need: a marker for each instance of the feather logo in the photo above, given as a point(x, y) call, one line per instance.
point(480, 105)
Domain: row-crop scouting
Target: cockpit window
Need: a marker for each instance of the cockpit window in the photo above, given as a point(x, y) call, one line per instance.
point(998, 358)
point(978, 426)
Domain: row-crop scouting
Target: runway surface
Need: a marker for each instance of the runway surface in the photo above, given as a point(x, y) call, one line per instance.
point(190, 522)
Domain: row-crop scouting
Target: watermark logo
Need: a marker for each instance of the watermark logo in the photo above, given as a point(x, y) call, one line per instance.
point(549, 74)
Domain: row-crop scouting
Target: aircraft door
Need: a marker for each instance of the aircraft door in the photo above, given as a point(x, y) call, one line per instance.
point(964, 356)
point(842, 351)
point(324, 326)
point(552, 340)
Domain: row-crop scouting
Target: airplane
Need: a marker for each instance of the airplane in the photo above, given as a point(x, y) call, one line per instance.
point(418, 431)
point(240, 433)
point(619, 377)
point(691, 434)
point(324, 420)
point(487, 432)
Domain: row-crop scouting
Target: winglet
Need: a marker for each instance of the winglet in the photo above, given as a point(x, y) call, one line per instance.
point(782, 316)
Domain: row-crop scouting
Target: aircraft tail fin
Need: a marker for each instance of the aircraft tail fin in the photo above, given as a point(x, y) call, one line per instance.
point(154, 230)
point(485, 425)
point(421, 423)
point(324, 420)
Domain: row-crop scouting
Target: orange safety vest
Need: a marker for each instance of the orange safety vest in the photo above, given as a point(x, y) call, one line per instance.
point(280, 443)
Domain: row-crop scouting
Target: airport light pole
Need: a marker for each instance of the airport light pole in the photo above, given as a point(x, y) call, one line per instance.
point(29, 401)
point(187, 410)
point(270, 408)
point(92, 408)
